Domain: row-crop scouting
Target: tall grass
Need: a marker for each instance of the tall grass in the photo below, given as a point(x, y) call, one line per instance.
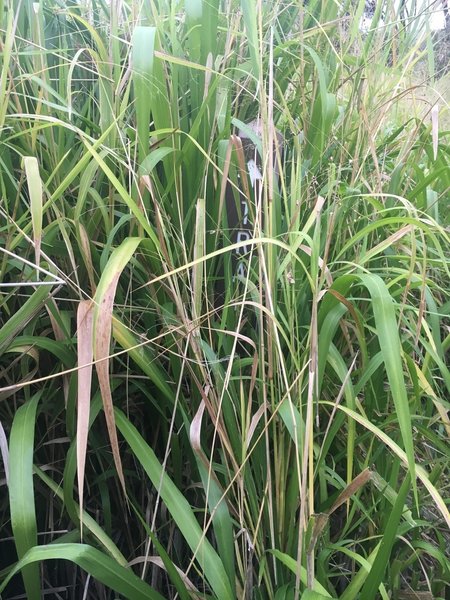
point(172, 427)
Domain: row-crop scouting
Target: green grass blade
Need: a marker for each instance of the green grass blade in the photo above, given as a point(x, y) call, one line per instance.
point(5, 62)
point(179, 508)
point(74, 511)
point(375, 577)
point(21, 491)
point(143, 357)
point(149, 82)
point(171, 569)
point(352, 591)
point(292, 565)
point(99, 565)
point(311, 595)
point(420, 472)
point(19, 319)
point(143, 45)
point(172, 572)
point(58, 349)
point(249, 10)
point(389, 340)
point(222, 523)
point(122, 191)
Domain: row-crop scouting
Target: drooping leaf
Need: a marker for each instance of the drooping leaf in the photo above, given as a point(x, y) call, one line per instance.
point(85, 356)
point(102, 326)
point(102, 568)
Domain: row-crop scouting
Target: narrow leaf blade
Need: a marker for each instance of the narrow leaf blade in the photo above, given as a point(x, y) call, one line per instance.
point(36, 202)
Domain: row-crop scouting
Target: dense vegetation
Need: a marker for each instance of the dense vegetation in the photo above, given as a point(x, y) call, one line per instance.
point(172, 429)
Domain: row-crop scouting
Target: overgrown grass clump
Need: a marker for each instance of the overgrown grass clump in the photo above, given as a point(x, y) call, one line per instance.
point(179, 424)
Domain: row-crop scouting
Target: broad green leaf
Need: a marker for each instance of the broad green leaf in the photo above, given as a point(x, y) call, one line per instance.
point(9, 38)
point(21, 491)
point(143, 44)
point(389, 340)
point(221, 520)
point(152, 159)
point(172, 571)
point(352, 590)
point(149, 86)
point(59, 349)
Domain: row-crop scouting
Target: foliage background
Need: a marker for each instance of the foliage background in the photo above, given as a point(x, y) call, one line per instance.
point(167, 429)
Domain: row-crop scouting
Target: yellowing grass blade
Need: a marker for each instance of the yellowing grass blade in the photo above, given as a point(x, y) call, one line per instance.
point(36, 197)
point(199, 252)
point(85, 355)
point(104, 301)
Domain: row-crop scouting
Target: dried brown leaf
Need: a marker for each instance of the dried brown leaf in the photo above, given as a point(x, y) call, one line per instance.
point(85, 355)
point(102, 343)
